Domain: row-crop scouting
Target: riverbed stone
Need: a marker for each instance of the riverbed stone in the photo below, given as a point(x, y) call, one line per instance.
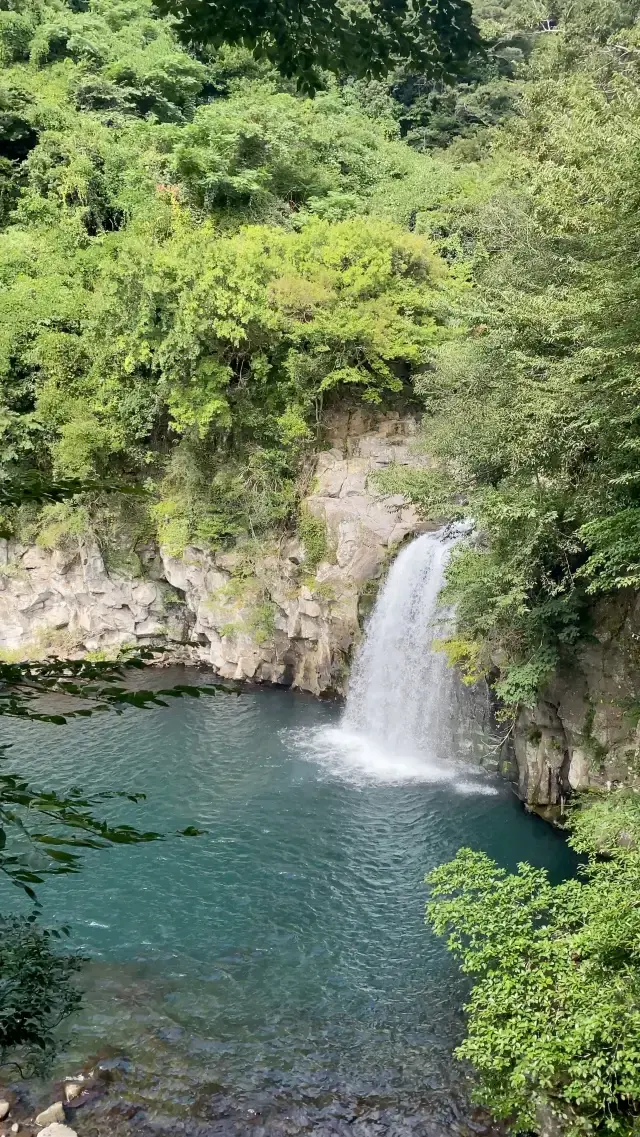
point(53, 1113)
point(57, 1129)
point(5, 1107)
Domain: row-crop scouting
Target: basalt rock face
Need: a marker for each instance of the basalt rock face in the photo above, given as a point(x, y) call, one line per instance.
point(584, 732)
point(69, 600)
point(274, 617)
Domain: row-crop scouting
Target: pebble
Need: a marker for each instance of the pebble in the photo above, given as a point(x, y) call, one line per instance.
point(57, 1130)
point(55, 1112)
point(4, 1109)
point(15, 1127)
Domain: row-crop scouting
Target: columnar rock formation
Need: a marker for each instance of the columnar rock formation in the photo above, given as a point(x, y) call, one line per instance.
point(584, 732)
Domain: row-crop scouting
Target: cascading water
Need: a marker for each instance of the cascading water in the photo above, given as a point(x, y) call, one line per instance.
point(400, 693)
point(404, 720)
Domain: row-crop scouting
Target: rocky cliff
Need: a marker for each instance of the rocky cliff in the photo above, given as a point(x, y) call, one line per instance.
point(584, 732)
point(286, 613)
point(290, 613)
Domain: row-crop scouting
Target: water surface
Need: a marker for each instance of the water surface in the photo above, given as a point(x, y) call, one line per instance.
point(275, 974)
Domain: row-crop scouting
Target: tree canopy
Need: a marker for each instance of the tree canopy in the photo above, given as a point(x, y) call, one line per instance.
point(184, 283)
point(360, 39)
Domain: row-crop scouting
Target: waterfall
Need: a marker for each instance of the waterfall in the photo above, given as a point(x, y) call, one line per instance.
point(400, 695)
point(404, 720)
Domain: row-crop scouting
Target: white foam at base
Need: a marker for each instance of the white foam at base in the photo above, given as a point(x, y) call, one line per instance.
point(357, 759)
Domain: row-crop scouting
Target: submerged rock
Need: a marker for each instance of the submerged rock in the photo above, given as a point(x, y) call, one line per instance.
point(72, 1090)
point(54, 1113)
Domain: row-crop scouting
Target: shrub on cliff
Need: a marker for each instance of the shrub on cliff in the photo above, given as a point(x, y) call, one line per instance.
point(183, 281)
point(202, 361)
point(533, 412)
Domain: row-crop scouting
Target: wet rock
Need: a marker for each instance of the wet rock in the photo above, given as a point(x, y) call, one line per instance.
point(5, 1106)
point(106, 1069)
point(54, 1113)
point(548, 1124)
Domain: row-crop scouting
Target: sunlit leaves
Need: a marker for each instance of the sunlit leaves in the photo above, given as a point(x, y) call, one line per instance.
point(235, 340)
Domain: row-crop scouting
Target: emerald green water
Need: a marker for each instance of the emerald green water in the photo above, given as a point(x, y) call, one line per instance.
point(274, 975)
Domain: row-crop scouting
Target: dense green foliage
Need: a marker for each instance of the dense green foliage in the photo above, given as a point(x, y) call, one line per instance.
point(431, 113)
point(533, 410)
point(183, 286)
point(553, 1019)
point(36, 993)
point(354, 39)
